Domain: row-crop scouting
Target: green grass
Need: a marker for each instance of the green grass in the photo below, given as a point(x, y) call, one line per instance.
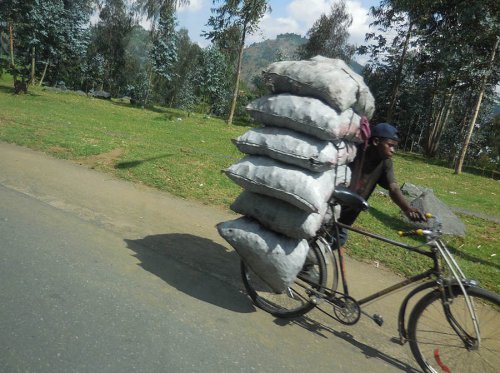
point(183, 155)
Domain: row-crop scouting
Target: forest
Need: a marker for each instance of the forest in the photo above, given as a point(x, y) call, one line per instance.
point(432, 64)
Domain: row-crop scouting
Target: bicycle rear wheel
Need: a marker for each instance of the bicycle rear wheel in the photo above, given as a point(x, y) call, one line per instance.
point(438, 348)
point(296, 300)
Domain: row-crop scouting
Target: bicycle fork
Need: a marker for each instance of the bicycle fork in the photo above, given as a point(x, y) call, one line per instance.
point(469, 341)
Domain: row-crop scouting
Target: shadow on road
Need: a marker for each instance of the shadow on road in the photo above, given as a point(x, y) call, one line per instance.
point(370, 352)
point(194, 265)
point(131, 164)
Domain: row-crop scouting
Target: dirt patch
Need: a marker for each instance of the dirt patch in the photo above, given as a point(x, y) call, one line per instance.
point(103, 160)
point(56, 150)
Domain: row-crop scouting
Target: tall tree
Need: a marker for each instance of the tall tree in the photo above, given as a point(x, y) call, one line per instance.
point(329, 34)
point(212, 80)
point(163, 53)
point(394, 20)
point(440, 53)
point(482, 87)
point(154, 8)
point(187, 54)
point(110, 39)
point(13, 12)
point(243, 15)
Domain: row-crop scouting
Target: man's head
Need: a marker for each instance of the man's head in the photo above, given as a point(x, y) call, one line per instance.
point(385, 138)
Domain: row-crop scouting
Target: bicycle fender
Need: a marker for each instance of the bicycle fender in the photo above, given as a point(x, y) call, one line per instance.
point(447, 283)
point(328, 255)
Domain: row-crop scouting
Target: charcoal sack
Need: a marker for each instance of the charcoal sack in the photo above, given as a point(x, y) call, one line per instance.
point(306, 190)
point(275, 258)
point(307, 115)
point(295, 148)
point(330, 80)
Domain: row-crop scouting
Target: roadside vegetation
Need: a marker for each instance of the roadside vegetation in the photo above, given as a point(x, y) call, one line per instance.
point(184, 154)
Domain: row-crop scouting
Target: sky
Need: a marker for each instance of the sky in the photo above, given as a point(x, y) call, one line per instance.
point(295, 16)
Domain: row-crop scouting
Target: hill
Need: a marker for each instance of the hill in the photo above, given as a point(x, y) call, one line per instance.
point(258, 55)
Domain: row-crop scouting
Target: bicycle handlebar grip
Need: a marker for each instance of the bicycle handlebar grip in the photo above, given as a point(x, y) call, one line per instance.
point(416, 232)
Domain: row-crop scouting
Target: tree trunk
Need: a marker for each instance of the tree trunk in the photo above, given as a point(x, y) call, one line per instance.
point(429, 148)
point(395, 91)
point(444, 122)
point(461, 135)
point(409, 134)
point(150, 76)
point(439, 125)
point(33, 66)
point(11, 36)
point(44, 71)
point(238, 72)
point(420, 135)
point(460, 161)
point(12, 65)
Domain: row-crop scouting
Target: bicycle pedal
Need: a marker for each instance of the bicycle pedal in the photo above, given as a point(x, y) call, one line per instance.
point(379, 320)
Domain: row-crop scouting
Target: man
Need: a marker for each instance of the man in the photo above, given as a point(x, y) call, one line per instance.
point(373, 166)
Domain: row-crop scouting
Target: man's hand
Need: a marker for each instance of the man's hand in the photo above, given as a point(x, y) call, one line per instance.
point(415, 214)
point(412, 213)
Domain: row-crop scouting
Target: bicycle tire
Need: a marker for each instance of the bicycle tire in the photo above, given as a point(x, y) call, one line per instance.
point(292, 303)
point(437, 347)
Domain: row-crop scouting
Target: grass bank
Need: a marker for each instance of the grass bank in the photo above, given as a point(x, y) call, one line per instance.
point(183, 154)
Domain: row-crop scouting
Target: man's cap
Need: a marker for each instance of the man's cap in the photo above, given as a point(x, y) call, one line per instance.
point(386, 131)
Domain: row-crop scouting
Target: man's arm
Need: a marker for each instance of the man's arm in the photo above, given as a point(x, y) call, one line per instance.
point(397, 197)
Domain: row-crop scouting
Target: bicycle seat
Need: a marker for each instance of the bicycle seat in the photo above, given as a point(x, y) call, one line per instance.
point(346, 197)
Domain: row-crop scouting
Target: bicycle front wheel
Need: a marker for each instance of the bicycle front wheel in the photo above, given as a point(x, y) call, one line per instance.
point(436, 345)
point(296, 300)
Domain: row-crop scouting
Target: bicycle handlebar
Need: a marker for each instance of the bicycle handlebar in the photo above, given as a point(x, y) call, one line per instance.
point(418, 232)
point(415, 232)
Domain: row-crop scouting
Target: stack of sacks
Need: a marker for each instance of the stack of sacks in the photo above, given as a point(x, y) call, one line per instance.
point(311, 129)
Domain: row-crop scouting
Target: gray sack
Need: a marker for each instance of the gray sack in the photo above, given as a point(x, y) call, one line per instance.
point(280, 216)
point(330, 80)
point(295, 148)
point(306, 115)
point(306, 190)
point(275, 258)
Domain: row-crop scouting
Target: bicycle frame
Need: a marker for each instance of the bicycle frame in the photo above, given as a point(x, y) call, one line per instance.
point(438, 249)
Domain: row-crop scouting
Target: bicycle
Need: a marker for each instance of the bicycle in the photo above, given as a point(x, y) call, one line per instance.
point(449, 329)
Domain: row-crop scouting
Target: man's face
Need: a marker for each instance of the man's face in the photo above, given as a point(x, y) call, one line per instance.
point(386, 147)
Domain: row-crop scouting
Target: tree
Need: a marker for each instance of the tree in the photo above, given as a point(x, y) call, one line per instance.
point(163, 53)
point(110, 37)
point(244, 15)
point(398, 17)
point(482, 86)
point(187, 57)
point(76, 33)
point(430, 70)
point(329, 34)
point(154, 8)
point(212, 80)
point(92, 71)
point(53, 32)
point(12, 12)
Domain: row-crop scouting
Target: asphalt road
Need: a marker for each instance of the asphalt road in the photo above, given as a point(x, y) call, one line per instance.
point(100, 275)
